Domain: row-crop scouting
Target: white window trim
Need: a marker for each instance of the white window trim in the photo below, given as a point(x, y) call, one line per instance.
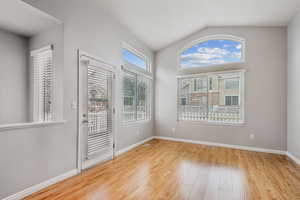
point(212, 37)
point(140, 54)
point(139, 71)
point(241, 99)
point(48, 47)
point(15, 126)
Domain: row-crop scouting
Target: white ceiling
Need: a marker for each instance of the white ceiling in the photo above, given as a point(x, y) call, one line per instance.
point(21, 18)
point(161, 22)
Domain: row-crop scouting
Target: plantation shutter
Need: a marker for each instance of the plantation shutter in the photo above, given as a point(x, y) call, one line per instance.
point(43, 83)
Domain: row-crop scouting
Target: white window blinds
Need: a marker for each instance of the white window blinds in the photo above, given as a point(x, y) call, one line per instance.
point(100, 124)
point(136, 97)
point(43, 83)
point(215, 97)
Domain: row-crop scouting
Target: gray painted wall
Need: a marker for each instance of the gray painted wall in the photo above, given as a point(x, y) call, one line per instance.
point(13, 78)
point(265, 91)
point(293, 82)
point(31, 156)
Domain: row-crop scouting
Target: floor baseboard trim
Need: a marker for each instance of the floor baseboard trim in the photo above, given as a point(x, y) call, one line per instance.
point(256, 149)
point(93, 162)
point(292, 157)
point(133, 146)
point(40, 186)
point(90, 163)
point(73, 172)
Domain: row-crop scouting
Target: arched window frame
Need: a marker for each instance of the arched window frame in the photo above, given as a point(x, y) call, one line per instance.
point(213, 37)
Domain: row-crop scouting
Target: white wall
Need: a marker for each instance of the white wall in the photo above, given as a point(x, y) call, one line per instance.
point(13, 78)
point(293, 83)
point(34, 155)
point(265, 92)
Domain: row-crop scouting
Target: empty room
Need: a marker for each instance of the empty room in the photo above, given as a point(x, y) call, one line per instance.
point(150, 100)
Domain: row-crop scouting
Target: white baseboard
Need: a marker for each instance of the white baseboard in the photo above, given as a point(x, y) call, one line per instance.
point(294, 158)
point(40, 186)
point(90, 163)
point(73, 172)
point(223, 145)
point(98, 160)
point(133, 146)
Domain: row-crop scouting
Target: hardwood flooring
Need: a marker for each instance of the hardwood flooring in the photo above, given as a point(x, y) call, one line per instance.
point(167, 170)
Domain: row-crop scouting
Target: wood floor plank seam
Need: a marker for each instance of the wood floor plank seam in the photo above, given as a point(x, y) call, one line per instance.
point(182, 171)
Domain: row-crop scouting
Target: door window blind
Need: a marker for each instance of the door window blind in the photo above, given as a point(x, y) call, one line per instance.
point(211, 97)
point(100, 138)
point(43, 83)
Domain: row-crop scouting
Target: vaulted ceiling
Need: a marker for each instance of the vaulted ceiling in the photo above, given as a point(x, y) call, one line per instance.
point(161, 22)
point(21, 18)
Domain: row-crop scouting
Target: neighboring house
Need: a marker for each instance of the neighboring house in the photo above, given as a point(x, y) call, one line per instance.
point(215, 94)
point(97, 110)
point(98, 100)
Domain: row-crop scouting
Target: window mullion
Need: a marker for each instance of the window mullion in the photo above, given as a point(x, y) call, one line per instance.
point(136, 97)
point(207, 94)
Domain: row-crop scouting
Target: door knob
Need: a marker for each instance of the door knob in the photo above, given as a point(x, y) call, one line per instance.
point(85, 121)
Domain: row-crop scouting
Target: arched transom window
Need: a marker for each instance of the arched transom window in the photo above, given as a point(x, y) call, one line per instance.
point(213, 50)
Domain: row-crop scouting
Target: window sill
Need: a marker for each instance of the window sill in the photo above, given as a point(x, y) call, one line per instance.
point(212, 123)
point(8, 127)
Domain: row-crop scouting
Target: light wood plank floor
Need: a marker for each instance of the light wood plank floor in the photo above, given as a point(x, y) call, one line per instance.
point(173, 170)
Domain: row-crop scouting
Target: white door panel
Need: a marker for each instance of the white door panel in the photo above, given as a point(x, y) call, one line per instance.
point(96, 103)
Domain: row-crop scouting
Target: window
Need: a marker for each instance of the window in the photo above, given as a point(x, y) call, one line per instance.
point(232, 84)
point(231, 100)
point(212, 51)
point(137, 85)
point(43, 84)
point(128, 101)
point(213, 102)
point(183, 101)
point(210, 83)
point(136, 97)
point(135, 58)
point(199, 85)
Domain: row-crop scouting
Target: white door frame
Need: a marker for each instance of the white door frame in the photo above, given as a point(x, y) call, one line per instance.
point(84, 59)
